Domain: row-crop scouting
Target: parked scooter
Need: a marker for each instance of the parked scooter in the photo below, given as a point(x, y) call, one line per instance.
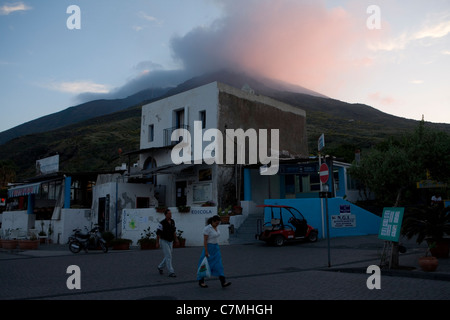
point(88, 240)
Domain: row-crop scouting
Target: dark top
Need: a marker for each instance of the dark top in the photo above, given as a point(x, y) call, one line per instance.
point(166, 230)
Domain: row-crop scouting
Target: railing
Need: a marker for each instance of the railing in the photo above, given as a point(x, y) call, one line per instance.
point(168, 134)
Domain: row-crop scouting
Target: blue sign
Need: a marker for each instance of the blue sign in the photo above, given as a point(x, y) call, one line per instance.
point(391, 223)
point(308, 168)
point(321, 142)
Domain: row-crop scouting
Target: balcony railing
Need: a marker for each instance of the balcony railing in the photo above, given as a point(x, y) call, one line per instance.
point(168, 134)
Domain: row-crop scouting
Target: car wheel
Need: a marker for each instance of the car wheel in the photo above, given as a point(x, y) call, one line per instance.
point(279, 241)
point(312, 237)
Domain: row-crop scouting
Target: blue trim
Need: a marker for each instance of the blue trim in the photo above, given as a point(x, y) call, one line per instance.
point(30, 207)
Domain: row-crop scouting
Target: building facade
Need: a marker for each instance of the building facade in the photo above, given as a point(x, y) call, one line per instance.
point(224, 129)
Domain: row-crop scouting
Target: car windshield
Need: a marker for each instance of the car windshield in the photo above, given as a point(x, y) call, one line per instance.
point(295, 213)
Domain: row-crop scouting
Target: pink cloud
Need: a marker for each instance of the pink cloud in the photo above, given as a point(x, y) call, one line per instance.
point(301, 42)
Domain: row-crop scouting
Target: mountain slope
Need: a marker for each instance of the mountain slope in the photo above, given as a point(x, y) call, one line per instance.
point(79, 113)
point(93, 144)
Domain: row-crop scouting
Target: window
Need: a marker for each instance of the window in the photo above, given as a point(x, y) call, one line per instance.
point(151, 133)
point(142, 202)
point(49, 190)
point(179, 118)
point(202, 116)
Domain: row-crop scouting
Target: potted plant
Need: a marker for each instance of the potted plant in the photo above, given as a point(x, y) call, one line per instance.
point(184, 209)
point(31, 243)
point(181, 241)
point(208, 204)
point(147, 240)
point(42, 236)
point(430, 224)
point(9, 242)
point(121, 243)
point(224, 215)
point(237, 209)
point(161, 209)
point(428, 263)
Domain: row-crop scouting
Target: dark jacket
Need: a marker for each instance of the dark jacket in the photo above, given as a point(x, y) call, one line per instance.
point(166, 230)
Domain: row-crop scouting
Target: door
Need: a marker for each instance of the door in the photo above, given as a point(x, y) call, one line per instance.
point(181, 193)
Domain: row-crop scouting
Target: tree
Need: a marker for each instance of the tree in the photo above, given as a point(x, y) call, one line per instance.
point(7, 172)
point(397, 164)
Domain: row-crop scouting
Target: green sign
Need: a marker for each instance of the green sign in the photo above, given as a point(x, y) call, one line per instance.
point(391, 223)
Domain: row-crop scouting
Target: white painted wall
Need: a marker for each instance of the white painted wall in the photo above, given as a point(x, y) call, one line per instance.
point(123, 195)
point(62, 229)
point(135, 221)
point(160, 113)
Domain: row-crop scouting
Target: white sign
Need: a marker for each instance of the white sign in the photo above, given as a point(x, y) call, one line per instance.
point(47, 165)
point(343, 221)
point(201, 210)
point(321, 142)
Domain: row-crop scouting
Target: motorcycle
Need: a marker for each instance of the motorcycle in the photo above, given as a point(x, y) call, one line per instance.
point(89, 240)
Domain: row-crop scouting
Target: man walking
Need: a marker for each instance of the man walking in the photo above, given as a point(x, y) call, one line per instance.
point(165, 236)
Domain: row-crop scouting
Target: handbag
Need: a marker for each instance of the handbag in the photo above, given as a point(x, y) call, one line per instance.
point(204, 271)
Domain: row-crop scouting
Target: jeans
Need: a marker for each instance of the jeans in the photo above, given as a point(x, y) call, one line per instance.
point(167, 248)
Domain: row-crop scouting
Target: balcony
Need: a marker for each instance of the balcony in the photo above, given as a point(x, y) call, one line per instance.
point(168, 134)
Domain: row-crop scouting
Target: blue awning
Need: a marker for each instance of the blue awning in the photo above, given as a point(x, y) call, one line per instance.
point(24, 190)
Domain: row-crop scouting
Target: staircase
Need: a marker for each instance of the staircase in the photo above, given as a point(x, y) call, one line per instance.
point(247, 231)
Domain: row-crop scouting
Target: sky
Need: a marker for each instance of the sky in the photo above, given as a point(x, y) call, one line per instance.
point(393, 55)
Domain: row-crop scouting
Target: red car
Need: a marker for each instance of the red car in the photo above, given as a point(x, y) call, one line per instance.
point(278, 232)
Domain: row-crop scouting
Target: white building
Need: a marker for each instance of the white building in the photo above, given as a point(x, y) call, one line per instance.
point(200, 111)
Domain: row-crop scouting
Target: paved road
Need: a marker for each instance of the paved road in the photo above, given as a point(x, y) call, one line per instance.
point(258, 273)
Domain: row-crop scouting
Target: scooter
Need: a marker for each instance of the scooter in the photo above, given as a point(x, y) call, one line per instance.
point(89, 240)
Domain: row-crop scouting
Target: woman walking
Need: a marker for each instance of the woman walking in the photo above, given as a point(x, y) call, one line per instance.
point(211, 250)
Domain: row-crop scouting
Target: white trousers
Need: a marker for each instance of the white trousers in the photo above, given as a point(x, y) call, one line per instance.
point(167, 248)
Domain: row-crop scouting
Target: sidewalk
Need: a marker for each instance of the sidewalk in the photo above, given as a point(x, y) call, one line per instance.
point(408, 261)
point(364, 251)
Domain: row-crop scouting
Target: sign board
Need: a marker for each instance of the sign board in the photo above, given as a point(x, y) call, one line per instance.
point(428, 184)
point(47, 165)
point(307, 168)
point(324, 173)
point(391, 224)
point(343, 221)
point(321, 142)
point(344, 208)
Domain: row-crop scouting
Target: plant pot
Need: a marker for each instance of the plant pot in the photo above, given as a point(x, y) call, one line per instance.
point(28, 244)
point(428, 264)
point(10, 244)
point(121, 246)
point(225, 219)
